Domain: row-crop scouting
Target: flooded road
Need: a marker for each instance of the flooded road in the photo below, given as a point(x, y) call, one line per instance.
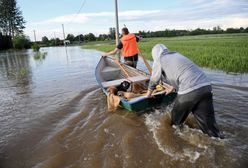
point(53, 115)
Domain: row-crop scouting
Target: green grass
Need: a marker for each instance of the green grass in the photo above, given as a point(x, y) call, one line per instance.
point(227, 52)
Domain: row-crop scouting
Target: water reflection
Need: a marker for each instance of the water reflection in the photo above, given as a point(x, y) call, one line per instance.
point(15, 67)
point(39, 56)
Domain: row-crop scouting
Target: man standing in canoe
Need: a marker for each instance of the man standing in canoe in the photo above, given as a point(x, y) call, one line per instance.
point(180, 74)
point(129, 48)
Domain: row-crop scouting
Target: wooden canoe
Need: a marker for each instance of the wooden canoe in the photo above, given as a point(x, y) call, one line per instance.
point(108, 73)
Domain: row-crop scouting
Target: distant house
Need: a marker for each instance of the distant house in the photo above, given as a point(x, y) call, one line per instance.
point(66, 42)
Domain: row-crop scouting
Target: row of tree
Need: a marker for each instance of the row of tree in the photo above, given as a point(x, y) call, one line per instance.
point(70, 37)
point(198, 31)
point(74, 40)
point(78, 39)
point(145, 34)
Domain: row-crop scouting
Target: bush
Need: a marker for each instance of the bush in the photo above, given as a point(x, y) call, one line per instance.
point(21, 42)
point(232, 30)
point(36, 47)
point(5, 42)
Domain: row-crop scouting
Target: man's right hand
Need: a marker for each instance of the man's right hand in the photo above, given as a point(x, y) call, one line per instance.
point(104, 55)
point(169, 89)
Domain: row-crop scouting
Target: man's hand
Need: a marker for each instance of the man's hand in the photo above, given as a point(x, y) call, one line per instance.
point(168, 89)
point(149, 94)
point(104, 55)
point(115, 51)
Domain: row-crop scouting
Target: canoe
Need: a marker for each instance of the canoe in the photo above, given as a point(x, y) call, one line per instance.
point(108, 73)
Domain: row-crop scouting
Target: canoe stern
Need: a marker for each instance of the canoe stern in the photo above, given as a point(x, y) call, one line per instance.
point(148, 103)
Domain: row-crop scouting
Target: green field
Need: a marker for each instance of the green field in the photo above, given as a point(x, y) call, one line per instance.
point(227, 52)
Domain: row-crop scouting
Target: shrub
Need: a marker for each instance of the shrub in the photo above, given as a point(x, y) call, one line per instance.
point(21, 42)
point(36, 47)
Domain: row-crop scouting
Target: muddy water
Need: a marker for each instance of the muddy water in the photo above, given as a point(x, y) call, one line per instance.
point(53, 115)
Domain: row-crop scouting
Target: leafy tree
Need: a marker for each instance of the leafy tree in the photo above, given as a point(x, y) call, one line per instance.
point(11, 19)
point(79, 38)
point(45, 40)
point(217, 30)
point(55, 42)
point(112, 32)
point(232, 30)
point(198, 31)
point(242, 30)
point(90, 37)
point(70, 37)
point(246, 30)
point(103, 37)
point(58, 42)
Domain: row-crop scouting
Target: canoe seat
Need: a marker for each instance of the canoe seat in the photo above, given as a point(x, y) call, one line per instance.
point(117, 82)
point(110, 69)
point(110, 73)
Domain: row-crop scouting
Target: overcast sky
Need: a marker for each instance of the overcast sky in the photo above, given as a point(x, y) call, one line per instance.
point(96, 16)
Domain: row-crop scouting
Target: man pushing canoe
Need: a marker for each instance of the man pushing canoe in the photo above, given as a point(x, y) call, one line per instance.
point(194, 89)
point(129, 48)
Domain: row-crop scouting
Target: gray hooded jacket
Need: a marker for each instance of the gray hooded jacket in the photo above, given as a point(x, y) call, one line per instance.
point(178, 71)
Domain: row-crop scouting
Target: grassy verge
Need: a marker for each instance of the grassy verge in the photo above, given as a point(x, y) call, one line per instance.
point(227, 52)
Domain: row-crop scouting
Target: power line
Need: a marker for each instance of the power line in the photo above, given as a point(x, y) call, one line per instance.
point(81, 7)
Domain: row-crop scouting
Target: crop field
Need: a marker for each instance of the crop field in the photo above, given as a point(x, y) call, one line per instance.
point(227, 52)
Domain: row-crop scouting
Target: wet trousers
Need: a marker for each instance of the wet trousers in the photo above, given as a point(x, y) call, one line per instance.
point(132, 61)
point(200, 103)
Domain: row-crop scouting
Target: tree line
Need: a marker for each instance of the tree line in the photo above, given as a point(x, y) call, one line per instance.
point(78, 39)
point(198, 31)
point(45, 41)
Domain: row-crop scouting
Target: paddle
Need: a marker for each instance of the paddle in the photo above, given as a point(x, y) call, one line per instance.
point(146, 62)
point(123, 69)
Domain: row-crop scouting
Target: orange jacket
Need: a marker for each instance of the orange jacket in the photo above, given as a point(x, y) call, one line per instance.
point(130, 46)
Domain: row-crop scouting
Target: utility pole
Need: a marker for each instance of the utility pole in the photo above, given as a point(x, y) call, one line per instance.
point(63, 33)
point(117, 23)
point(54, 38)
point(34, 36)
point(117, 28)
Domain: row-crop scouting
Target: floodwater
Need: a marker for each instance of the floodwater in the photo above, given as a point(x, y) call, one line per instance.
point(53, 115)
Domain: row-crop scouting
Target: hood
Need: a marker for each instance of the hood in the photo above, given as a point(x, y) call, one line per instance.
point(157, 52)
